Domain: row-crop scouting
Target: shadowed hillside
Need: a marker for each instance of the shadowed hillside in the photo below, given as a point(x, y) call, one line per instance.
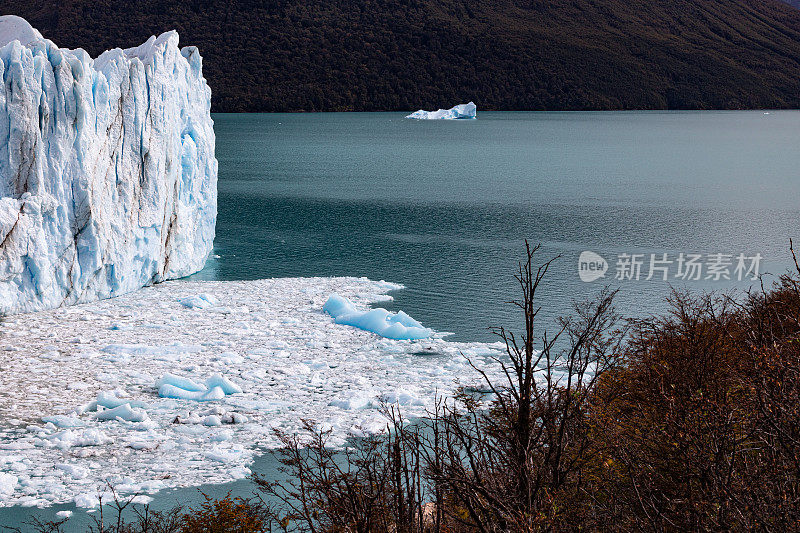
point(292, 55)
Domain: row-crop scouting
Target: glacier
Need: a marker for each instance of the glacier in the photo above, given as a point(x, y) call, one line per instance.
point(461, 111)
point(108, 179)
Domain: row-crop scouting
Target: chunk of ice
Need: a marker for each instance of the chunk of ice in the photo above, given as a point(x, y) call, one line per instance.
point(179, 382)
point(215, 393)
point(71, 438)
point(123, 412)
point(199, 301)
point(212, 420)
point(461, 111)
point(227, 386)
point(350, 401)
point(8, 483)
point(64, 421)
point(216, 388)
point(171, 391)
point(397, 326)
point(87, 500)
point(75, 471)
point(110, 400)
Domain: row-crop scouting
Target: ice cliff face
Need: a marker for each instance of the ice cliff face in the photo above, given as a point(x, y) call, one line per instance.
point(108, 180)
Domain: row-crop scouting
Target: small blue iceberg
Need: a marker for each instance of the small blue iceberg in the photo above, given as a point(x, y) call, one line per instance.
point(180, 388)
point(459, 112)
point(398, 326)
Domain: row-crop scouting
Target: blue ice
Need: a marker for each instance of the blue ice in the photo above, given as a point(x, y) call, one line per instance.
point(397, 326)
point(179, 388)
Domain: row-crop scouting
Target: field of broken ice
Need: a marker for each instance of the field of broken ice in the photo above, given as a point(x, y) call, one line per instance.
point(183, 383)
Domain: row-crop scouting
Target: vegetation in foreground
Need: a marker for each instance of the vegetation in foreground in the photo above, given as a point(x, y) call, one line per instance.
point(685, 422)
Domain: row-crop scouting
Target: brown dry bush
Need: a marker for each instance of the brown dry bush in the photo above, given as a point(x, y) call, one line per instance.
point(701, 426)
point(685, 422)
point(512, 464)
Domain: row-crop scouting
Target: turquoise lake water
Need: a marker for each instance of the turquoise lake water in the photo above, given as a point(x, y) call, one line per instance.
point(444, 208)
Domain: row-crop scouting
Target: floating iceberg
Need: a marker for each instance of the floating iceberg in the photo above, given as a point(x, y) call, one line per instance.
point(397, 326)
point(179, 382)
point(123, 412)
point(176, 387)
point(461, 111)
point(107, 169)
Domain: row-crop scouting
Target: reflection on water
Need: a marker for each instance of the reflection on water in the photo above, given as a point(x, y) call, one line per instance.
point(444, 207)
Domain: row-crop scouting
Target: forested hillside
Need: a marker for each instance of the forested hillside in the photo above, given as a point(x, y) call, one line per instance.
point(293, 55)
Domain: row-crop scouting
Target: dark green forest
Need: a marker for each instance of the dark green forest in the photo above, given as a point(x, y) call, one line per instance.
point(368, 55)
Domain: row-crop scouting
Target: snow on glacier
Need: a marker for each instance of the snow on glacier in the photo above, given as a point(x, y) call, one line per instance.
point(271, 353)
point(107, 168)
point(398, 326)
point(461, 111)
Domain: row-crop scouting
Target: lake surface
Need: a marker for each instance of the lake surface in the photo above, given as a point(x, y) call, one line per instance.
point(443, 207)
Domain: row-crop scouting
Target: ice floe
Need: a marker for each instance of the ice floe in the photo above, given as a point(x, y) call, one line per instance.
point(123, 412)
point(266, 360)
point(398, 326)
point(216, 388)
point(461, 111)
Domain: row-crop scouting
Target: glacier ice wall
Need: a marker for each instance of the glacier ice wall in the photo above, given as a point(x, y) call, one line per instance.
point(108, 180)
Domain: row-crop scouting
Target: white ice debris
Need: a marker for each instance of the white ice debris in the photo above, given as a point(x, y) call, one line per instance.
point(75, 471)
point(270, 358)
point(398, 326)
point(111, 400)
point(216, 416)
point(107, 168)
point(8, 483)
point(87, 500)
point(461, 111)
point(73, 438)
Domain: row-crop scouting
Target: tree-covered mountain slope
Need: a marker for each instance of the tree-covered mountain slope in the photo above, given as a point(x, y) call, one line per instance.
point(292, 55)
